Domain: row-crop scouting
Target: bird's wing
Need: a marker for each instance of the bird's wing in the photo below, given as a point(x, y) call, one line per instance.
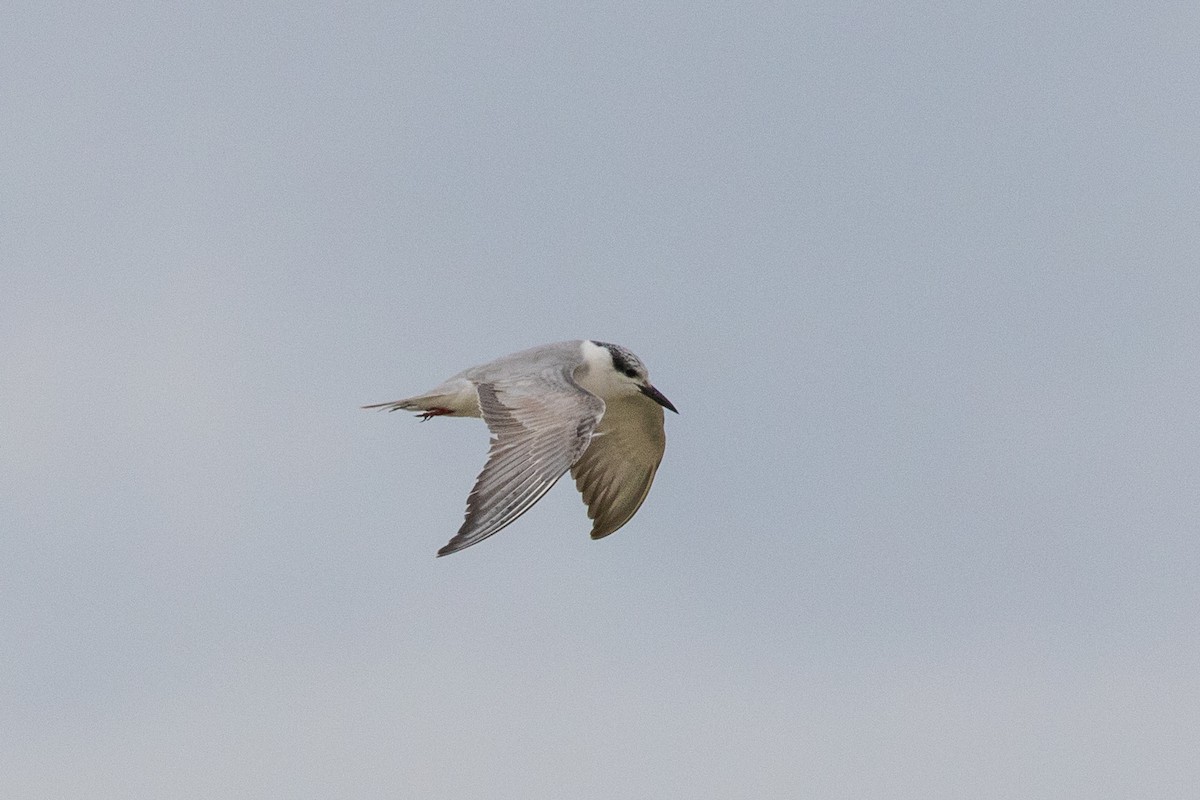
point(615, 472)
point(540, 425)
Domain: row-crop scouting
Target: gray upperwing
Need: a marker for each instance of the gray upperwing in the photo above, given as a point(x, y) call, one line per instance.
point(540, 425)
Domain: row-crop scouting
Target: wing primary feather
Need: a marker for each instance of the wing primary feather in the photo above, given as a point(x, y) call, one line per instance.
point(538, 432)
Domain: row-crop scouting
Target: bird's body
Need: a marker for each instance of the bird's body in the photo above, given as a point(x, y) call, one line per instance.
point(583, 406)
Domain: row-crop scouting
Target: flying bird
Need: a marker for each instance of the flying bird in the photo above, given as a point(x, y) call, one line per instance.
point(583, 406)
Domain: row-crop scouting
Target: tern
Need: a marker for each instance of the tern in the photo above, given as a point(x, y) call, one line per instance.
point(584, 406)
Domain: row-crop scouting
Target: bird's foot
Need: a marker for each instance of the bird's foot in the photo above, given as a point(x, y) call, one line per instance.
point(434, 412)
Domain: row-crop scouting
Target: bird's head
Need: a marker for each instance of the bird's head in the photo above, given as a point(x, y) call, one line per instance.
point(612, 370)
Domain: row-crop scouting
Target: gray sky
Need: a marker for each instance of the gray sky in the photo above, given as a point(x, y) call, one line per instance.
point(921, 279)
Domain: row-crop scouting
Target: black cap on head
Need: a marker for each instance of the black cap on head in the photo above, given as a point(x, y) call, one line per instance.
point(624, 361)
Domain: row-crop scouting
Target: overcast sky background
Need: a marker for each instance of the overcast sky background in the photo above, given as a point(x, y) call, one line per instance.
point(923, 281)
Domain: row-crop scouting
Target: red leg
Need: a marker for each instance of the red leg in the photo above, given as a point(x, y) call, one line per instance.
point(434, 412)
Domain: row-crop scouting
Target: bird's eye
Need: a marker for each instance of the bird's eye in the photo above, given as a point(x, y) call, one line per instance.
point(632, 373)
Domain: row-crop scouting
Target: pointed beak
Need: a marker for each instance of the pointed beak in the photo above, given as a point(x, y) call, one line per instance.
point(657, 396)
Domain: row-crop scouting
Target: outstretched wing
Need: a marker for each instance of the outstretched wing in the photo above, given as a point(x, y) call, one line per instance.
point(540, 425)
point(615, 472)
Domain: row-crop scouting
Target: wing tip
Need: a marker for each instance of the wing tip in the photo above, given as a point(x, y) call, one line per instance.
point(459, 542)
point(600, 531)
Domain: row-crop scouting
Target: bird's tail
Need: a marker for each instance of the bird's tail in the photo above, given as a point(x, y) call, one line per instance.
point(434, 404)
point(408, 404)
point(456, 397)
point(423, 402)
